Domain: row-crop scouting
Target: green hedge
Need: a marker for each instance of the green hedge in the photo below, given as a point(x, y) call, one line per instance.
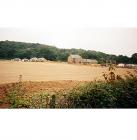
point(119, 94)
point(112, 93)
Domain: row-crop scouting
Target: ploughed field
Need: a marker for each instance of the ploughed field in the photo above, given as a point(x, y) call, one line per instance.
point(51, 71)
point(45, 77)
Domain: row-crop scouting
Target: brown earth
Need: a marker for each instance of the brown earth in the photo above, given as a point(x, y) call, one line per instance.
point(48, 76)
point(47, 71)
point(36, 87)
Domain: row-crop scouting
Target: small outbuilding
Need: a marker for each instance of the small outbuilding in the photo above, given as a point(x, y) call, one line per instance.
point(121, 65)
point(90, 61)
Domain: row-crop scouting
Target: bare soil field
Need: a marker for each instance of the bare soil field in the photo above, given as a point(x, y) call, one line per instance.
point(51, 71)
point(47, 76)
point(50, 86)
point(37, 87)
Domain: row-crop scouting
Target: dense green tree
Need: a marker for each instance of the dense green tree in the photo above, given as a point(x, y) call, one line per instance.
point(122, 59)
point(11, 49)
point(134, 58)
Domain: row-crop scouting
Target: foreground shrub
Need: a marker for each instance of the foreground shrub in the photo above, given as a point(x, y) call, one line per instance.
point(93, 95)
point(115, 92)
point(126, 92)
point(120, 94)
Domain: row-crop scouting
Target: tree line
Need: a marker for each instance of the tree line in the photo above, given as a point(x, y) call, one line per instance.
point(12, 49)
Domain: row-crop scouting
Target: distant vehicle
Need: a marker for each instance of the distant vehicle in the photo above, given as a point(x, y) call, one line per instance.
point(25, 60)
point(16, 59)
point(130, 66)
point(121, 65)
point(41, 59)
point(34, 59)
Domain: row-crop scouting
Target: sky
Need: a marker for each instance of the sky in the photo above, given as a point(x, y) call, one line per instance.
point(109, 40)
point(102, 25)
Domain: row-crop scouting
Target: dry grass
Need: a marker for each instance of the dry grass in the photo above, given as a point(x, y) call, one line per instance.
point(50, 84)
point(50, 71)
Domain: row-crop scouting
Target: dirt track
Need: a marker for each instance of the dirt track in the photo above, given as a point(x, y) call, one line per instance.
point(49, 71)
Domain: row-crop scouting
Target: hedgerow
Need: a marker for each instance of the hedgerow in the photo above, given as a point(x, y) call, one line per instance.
point(114, 92)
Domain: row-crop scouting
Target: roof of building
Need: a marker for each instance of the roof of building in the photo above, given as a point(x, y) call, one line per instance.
point(75, 56)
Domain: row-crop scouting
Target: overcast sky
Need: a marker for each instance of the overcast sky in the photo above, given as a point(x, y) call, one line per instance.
point(109, 40)
point(101, 25)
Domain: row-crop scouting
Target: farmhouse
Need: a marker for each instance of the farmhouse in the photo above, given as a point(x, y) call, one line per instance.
point(74, 59)
point(77, 59)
